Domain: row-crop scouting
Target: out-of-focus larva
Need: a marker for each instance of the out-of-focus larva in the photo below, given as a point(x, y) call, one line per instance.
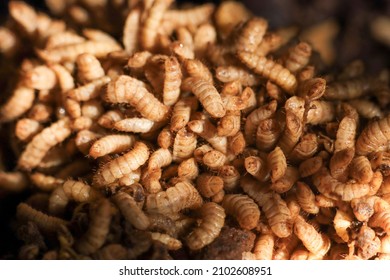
point(187, 17)
point(214, 159)
point(18, 103)
point(251, 34)
point(349, 89)
point(298, 57)
point(13, 181)
point(160, 158)
point(243, 208)
point(228, 15)
point(264, 247)
point(183, 145)
point(24, 15)
point(134, 125)
point(274, 207)
point(320, 112)
point(306, 198)
point(182, 112)
point(165, 138)
point(204, 36)
point(90, 90)
point(45, 182)
point(72, 107)
point(277, 164)
point(254, 118)
point(26, 129)
point(131, 30)
point(212, 218)
point(111, 252)
point(183, 52)
point(40, 112)
point(286, 182)
point(71, 52)
point(315, 242)
point(46, 223)
point(42, 142)
point(205, 129)
point(148, 31)
point(218, 197)
point(332, 188)
point(374, 137)
point(92, 109)
point(270, 42)
point(10, 43)
point(292, 132)
point(267, 134)
point(81, 123)
point(360, 169)
point(40, 77)
point(367, 243)
point(339, 162)
point(310, 166)
point(126, 89)
point(381, 219)
point(57, 202)
point(346, 133)
point(366, 108)
point(88, 68)
point(229, 124)
point(208, 96)
point(181, 196)
point(131, 178)
point(285, 247)
point(209, 185)
point(122, 165)
point(184, 36)
point(108, 119)
point(169, 241)
point(84, 140)
point(257, 167)
point(62, 39)
point(342, 222)
point(270, 69)
point(172, 81)
point(233, 73)
point(130, 210)
point(79, 191)
point(188, 169)
point(99, 226)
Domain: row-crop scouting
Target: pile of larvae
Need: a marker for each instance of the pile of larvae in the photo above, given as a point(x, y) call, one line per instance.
point(197, 133)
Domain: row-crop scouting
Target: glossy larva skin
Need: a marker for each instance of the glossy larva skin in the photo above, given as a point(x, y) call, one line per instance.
point(42, 142)
point(270, 69)
point(212, 220)
point(374, 137)
point(114, 143)
point(208, 96)
point(126, 89)
point(119, 167)
point(181, 196)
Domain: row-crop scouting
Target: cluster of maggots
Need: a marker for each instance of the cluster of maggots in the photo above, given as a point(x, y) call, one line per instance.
point(198, 119)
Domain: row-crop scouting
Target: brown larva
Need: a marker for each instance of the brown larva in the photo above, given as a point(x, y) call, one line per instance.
point(42, 142)
point(243, 208)
point(212, 220)
point(209, 185)
point(306, 198)
point(184, 145)
point(88, 68)
point(181, 196)
point(46, 223)
point(99, 226)
point(122, 165)
point(270, 69)
point(315, 242)
point(130, 210)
